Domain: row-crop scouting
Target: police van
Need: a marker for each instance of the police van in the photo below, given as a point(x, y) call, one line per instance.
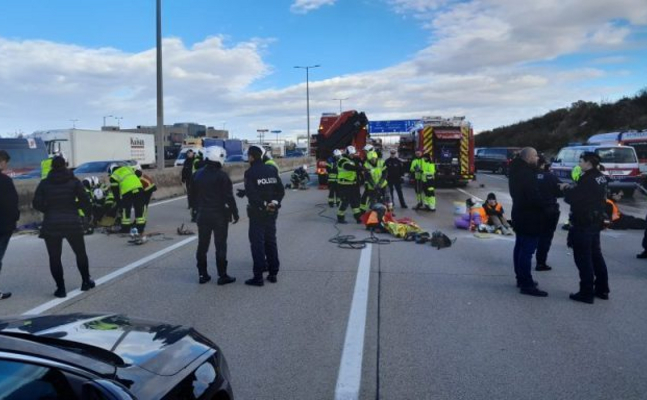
point(620, 165)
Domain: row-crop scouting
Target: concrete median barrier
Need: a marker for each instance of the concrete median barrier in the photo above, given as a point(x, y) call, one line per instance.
point(169, 183)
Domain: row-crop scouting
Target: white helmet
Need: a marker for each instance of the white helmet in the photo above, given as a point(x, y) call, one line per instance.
point(215, 154)
point(137, 167)
point(368, 147)
point(350, 150)
point(112, 168)
point(259, 147)
point(95, 181)
point(336, 153)
point(98, 194)
point(87, 182)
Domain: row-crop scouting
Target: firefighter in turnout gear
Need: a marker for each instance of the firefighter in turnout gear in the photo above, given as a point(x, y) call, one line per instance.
point(127, 188)
point(416, 172)
point(428, 176)
point(369, 152)
point(375, 181)
point(148, 185)
point(331, 169)
point(348, 168)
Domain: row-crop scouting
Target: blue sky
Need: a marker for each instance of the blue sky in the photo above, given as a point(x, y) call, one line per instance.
point(495, 61)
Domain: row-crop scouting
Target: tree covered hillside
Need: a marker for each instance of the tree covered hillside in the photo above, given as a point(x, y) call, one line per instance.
point(576, 123)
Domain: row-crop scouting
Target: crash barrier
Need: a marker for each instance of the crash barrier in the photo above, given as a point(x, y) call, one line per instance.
point(168, 181)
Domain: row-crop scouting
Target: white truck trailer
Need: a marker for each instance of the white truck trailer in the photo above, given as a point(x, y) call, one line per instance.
point(82, 145)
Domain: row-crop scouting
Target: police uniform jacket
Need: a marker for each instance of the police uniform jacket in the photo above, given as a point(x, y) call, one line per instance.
point(9, 211)
point(187, 170)
point(527, 204)
point(588, 200)
point(394, 169)
point(213, 192)
point(262, 186)
point(549, 190)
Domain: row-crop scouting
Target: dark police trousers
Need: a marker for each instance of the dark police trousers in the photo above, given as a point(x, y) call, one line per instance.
point(262, 238)
point(589, 260)
point(548, 226)
point(217, 223)
point(398, 188)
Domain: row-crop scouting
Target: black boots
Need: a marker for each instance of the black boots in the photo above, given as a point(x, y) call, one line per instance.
point(582, 297)
point(225, 279)
point(255, 281)
point(87, 285)
point(272, 278)
point(60, 292)
point(204, 278)
point(543, 267)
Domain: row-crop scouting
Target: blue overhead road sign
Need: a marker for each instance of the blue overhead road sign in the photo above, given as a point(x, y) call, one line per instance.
point(401, 125)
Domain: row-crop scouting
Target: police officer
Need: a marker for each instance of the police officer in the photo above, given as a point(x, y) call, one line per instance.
point(587, 200)
point(394, 173)
point(198, 163)
point(268, 160)
point(214, 197)
point(127, 188)
point(348, 169)
point(264, 191)
point(549, 190)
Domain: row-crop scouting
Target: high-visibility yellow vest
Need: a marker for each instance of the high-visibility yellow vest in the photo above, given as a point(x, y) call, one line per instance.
point(45, 167)
point(576, 173)
point(127, 180)
point(272, 163)
point(428, 170)
point(332, 169)
point(377, 174)
point(416, 168)
point(346, 176)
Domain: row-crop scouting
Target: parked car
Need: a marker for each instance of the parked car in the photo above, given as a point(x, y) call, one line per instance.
point(109, 356)
point(33, 174)
point(97, 167)
point(620, 165)
point(236, 158)
point(495, 159)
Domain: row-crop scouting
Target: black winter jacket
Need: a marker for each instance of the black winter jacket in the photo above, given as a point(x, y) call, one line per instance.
point(187, 170)
point(527, 204)
point(57, 197)
point(588, 200)
point(262, 186)
point(213, 192)
point(394, 169)
point(9, 212)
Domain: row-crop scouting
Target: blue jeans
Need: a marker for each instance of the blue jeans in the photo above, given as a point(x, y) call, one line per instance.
point(4, 242)
point(589, 260)
point(524, 248)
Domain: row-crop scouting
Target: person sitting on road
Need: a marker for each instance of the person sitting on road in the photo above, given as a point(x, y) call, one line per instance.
point(618, 220)
point(496, 218)
point(300, 178)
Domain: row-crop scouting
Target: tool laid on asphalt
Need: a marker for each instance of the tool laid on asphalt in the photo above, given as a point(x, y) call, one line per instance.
point(183, 231)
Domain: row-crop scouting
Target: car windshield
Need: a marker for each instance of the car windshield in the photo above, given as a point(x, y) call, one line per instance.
point(617, 155)
point(95, 166)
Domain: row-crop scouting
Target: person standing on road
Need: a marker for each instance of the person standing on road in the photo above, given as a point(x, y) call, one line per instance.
point(127, 187)
point(549, 191)
point(59, 197)
point(264, 191)
point(428, 176)
point(527, 211)
point(332, 170)
point(588, 201)
point(187, 174)
point(394, 174)
point(216, 207)
point(9, 211)
point(348, 171)
point(416, 171)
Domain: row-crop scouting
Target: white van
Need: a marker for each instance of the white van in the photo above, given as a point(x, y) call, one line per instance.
point(182, 156)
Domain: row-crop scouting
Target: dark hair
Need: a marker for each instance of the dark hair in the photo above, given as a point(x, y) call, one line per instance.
point(4, 156)
point(591, 157)
point(491, 196)
point(58, 162)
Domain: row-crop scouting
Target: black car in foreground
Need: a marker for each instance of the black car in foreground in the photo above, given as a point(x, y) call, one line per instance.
point(107, 356)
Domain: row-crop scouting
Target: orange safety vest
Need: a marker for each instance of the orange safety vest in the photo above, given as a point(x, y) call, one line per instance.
point(147, 182)
point(615, 214)
point(480, 211)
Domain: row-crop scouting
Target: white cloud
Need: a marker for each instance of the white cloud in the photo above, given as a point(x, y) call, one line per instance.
point(305, 6)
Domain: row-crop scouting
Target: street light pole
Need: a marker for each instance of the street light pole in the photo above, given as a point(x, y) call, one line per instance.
point(119, 121)
point(159, 136)
point(307, 68)
point(104, 118)
point(340, 100)
point(277, 135)
point(74, 121)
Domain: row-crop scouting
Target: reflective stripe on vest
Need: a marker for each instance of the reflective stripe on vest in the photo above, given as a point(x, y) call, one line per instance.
point(127, 180)
point(428, 170)
point(344, 176)
point(45, 167)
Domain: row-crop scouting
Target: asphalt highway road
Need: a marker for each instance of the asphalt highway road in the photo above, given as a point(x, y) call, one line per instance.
point(392, 321)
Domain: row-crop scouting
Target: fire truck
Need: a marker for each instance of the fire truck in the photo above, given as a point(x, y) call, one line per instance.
point(449, 140)
point(337, 131)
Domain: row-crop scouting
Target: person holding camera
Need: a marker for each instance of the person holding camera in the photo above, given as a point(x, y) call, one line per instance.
point(264, 191)
point(587, 200)
point(216, 207)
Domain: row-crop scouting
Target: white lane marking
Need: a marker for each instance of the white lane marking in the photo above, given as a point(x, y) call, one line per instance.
point(350, 368)
point(469, 194)
point(107, 278)
point(16, 237)
point(167, 201)
point(503, 178)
